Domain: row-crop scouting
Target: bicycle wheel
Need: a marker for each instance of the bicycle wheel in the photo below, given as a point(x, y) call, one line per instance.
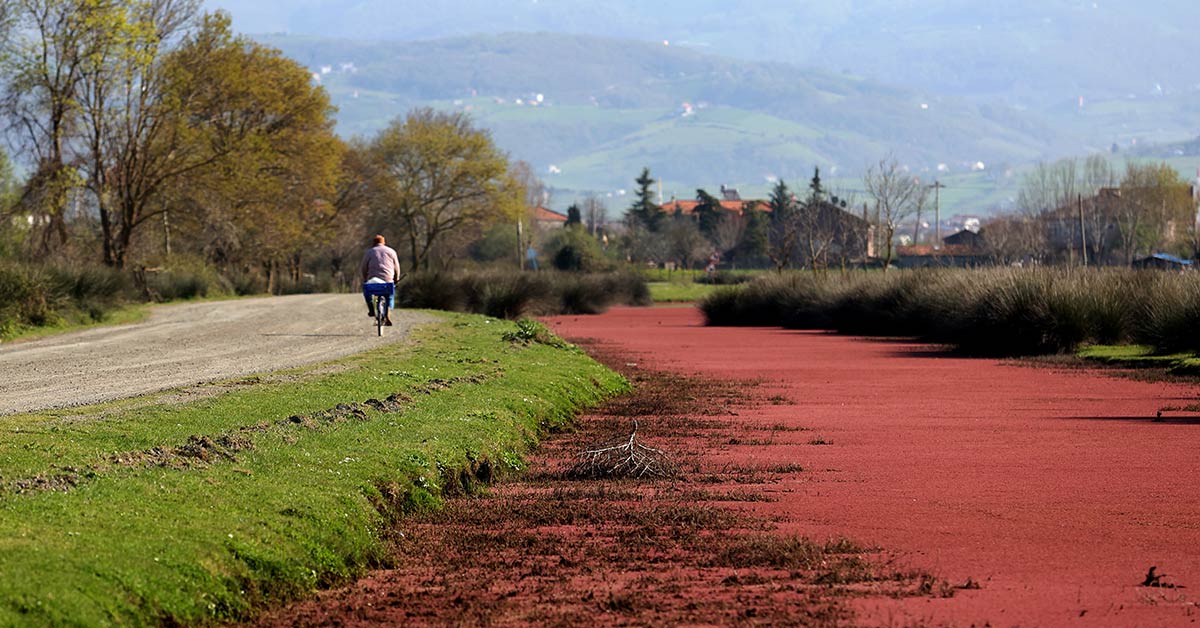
point(380, 313)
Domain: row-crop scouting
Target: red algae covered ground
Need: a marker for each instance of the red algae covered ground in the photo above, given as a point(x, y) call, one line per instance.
point(563, 544)
point(1055, 490)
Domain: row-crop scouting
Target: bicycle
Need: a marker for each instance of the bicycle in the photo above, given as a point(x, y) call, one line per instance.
point(381, 299)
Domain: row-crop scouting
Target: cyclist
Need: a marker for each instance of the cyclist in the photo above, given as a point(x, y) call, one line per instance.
point(380, 266)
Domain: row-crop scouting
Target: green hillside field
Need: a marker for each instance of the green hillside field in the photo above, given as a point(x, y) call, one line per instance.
point(610, 107)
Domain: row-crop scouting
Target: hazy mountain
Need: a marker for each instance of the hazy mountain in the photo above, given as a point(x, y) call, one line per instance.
point(608, 107)
point(783, 85)
point(1029, 52)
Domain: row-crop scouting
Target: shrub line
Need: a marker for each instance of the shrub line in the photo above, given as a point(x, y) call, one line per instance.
point(993, 312)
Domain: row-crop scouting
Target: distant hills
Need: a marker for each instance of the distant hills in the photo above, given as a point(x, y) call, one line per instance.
point(776, 86)
point(1033, 53)
point(609, 107)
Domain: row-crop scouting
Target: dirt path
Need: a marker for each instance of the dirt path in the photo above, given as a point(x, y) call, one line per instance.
point(188, 344)
point(1055, 490)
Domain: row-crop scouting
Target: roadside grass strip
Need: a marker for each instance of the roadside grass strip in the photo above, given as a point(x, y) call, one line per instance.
point(678, 292)
point(75, 321)
point(1184, 364)
point(204, 505)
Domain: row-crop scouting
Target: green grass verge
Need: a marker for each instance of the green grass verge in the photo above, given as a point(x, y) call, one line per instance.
point(153, 512)
point(123, 315)
point(679, 292)
point(1142, 356)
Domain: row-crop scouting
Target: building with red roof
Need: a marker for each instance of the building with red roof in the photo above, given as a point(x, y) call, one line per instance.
point(548, 218)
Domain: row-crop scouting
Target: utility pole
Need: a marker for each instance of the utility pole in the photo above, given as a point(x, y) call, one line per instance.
point(520, 247)
point(1082, 233)
point(937, 213)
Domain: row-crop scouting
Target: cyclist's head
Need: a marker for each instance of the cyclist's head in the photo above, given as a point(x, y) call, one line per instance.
point(378, 239)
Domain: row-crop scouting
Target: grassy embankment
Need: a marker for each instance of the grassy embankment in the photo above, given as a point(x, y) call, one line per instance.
point(203, 507)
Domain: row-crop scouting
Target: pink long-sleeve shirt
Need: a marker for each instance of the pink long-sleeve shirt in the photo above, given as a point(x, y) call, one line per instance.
point(380, 262)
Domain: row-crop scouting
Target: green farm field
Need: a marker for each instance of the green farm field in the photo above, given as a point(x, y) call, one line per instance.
point(679, 292)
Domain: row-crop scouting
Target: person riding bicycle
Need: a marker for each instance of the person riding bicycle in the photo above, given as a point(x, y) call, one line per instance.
point(380, 266)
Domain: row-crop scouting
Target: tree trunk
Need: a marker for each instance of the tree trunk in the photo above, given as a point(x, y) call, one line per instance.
point(887, 260)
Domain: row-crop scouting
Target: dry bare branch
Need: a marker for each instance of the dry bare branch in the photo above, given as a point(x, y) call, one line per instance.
point(629, 459)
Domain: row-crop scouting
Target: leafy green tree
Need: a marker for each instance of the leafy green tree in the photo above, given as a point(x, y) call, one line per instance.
point(236, 138)
point(496, 246)
point(1154, 201)
point(353, 197)
point(442, 174)
point(12, 226)
point(572, 248)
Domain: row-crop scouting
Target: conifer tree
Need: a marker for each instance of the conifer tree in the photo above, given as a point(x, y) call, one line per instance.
point(644, 210)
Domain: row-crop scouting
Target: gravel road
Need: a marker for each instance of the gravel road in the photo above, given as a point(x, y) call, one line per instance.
point(181, 345)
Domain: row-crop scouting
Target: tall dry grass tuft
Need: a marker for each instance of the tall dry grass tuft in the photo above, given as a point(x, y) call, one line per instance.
point(33, 295)
point(514, 294)
point(994, 312)
point(1169, 320)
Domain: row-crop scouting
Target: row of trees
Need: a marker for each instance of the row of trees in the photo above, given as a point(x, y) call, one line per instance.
point(1090, 212)
point(151, 132)
point(135, 114)
point(1069, 212)
point(785, 231)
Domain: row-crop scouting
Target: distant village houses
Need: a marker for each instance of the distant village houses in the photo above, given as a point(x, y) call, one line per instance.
point(548, 218)
point(828, 236)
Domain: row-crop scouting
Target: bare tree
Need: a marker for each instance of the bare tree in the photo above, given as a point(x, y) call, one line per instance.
point(131, 142)
point(849, 237)
point(1098, 204)
point(643, 246)
point(1050, 193)
point(818, 225)
point(730, 230)
point(896, 194)
point(1012, 238)
point(783, 236)
point(685, 244)
point(526, 219)
point(44, 59)
point(595, 214)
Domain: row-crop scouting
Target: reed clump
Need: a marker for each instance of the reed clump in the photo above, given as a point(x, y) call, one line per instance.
point(993, 312)
point(513, 295)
